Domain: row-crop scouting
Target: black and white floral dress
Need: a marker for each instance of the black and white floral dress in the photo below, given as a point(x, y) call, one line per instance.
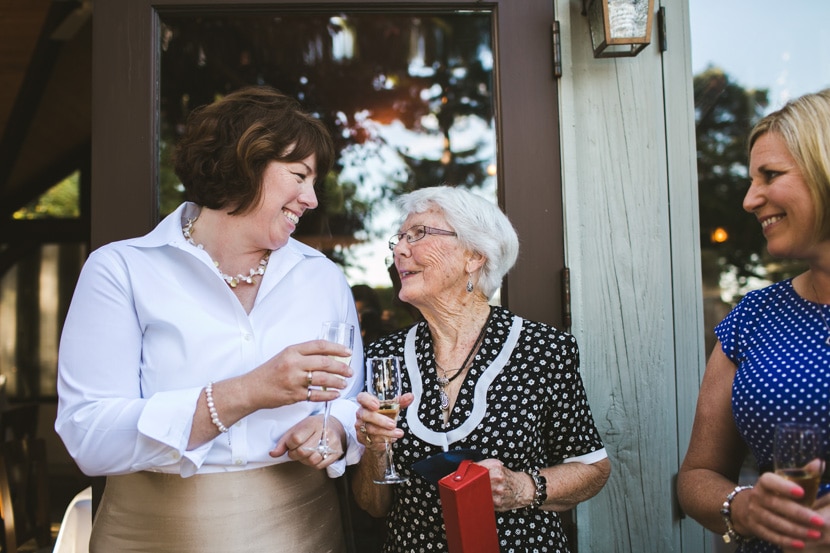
point(522, 402)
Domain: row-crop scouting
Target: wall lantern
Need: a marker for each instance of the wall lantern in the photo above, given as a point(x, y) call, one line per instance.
point(619, 28)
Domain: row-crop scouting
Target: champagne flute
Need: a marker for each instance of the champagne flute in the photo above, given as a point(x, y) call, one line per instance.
point(343, 334)
point(384, 382)
point(797, 457)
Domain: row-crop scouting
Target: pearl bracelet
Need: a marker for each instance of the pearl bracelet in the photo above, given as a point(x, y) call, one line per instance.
point(214, 416)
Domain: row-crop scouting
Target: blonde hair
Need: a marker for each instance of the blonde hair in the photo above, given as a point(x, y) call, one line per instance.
point(804, 125)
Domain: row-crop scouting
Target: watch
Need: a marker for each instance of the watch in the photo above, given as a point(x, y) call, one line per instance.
point(541, 493)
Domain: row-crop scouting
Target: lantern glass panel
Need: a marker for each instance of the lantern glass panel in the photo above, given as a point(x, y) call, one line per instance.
point(596, 22)
point(628, 18)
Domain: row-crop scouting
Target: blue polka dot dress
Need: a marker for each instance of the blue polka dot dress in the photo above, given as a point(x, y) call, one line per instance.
point(777, 339)
point(522, 402)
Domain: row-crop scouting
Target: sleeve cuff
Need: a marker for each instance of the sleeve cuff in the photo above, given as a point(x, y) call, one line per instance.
point(588, 458)
point(344, 411)
point(168, 419)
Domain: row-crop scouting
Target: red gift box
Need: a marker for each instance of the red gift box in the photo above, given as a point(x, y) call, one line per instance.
point(469, 515)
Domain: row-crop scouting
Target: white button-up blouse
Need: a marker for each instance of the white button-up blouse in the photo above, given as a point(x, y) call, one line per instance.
point(152, 322)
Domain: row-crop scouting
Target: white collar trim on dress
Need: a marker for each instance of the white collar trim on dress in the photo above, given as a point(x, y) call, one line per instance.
point(444, 439)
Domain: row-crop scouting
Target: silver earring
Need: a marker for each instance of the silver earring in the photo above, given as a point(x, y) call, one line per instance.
point(469, 283)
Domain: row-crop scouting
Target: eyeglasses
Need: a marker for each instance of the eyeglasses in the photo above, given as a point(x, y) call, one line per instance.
point(413, 234)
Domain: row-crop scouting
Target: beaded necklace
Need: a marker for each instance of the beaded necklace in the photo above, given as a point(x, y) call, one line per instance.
point(232, 281)
point(443, 381)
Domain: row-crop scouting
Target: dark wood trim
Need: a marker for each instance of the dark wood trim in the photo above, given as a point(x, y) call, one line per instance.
point(529, 164)
point(51, 231)
point(124, 99)
point(46, 179)
point(31, 91)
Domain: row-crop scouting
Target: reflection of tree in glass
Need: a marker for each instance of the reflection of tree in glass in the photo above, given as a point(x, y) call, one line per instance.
point(724, 115)
point(396, 90)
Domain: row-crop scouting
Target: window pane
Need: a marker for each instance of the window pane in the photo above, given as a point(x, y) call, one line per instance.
point(733, 88)
point(408, 97)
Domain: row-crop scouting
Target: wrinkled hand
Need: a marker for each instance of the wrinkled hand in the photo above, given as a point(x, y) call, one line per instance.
point(511, 490)
point(297, 374)
point(300, 440)
point(772, 514)
point(372, 427)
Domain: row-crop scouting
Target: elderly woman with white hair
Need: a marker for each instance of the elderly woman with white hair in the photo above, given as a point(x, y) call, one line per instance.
point(477, 378)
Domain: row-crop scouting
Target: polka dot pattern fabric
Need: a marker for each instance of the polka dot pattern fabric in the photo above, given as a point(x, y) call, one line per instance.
point(537, 415)
point(776, 338)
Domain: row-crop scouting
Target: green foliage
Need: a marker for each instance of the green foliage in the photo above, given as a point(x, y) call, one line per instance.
point(725, 113)
point(59, 202)
point(171, 191)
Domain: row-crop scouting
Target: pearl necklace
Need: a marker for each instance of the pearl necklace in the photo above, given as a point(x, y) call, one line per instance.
point(821, 311)
point(231, 280)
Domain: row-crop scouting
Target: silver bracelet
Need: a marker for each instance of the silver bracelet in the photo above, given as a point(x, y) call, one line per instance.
point(726, 512)
point(214, 416)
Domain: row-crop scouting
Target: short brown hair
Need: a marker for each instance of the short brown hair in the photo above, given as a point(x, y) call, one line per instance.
point(227, 145)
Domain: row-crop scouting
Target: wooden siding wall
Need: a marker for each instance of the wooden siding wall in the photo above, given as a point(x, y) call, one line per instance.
point(631, 240)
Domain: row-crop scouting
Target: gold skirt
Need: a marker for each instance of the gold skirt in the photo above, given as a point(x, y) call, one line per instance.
point(285, 508)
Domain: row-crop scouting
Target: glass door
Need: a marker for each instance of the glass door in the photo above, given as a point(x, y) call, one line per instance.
point(407, 95)
point(417, 94)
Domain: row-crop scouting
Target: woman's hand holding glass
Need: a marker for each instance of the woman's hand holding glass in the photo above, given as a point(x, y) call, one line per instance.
point(299, 373)
point(797, 457)
point(376, 421)
point(781, 508)
point(373, 427)
point(771, 511)
point(310, 371)
point(338, 333)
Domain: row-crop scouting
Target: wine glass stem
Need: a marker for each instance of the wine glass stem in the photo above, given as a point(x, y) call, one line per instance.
point(390, 465)
point(324, 437)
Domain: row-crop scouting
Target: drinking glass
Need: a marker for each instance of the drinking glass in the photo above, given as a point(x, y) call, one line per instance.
point(383, 379)
point(797, 457)
point(343, 334)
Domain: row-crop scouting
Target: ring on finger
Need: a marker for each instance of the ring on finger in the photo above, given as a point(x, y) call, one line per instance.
point(368, 438)
point(309, 377)
point(308, 395)
point(363, 428)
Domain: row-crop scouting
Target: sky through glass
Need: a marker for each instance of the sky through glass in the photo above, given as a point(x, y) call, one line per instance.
point(780, 45)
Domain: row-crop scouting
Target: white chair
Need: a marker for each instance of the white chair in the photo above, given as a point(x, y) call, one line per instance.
point(76, 526)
